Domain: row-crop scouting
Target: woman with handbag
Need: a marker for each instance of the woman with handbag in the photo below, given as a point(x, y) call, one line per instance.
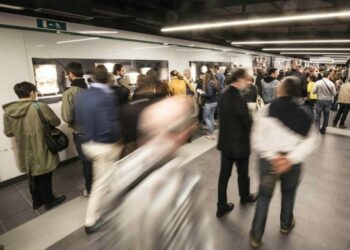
point(22, 121)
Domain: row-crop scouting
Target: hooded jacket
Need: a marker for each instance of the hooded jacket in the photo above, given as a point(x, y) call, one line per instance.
point(269, 85)
point(21, 121)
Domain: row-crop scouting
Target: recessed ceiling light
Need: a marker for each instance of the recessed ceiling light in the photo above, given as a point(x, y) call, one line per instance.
point(258, 21)
point(291, 42)
point(309, 49)
point(13, 7)
point(98, 32)
point(78, 40)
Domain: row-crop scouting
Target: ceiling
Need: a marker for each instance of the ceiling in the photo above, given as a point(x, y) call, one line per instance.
point(149, 16)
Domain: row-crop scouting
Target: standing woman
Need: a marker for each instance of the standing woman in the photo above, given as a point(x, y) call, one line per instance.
point(210, 94)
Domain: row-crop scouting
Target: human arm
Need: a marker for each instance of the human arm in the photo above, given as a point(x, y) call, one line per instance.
point(7, 126)
point(67, 108)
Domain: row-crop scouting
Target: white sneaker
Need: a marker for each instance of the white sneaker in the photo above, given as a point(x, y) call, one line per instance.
point(85, 193)
point(210, 137)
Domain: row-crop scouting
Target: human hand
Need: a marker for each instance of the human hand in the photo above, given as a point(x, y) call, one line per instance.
point(281, 164)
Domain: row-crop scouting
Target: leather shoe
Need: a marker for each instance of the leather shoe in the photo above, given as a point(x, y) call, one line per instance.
point(249, 199)
point(37, 205)
point(95, 227)
point(224, 210)
point(55, 202)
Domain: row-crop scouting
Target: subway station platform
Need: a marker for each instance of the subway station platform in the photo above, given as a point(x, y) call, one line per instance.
point(322, 207)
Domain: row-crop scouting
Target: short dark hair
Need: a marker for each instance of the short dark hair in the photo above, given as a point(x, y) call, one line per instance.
point(174, 73)
point(75, 68)
point(292, 86)
point(271, 71)
point(327, 72)
point(100, 74)
point(236, 74)
point(117, 67)
point(313, 78)
point(216, 67)
point(23, 89)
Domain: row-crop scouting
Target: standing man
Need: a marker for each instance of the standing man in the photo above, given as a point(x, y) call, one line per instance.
point(283, 138)
point(234, 142)
point(325, 90)
point(21, 121)
point(344, 105)
point(119, 73)
point(97, 114)
point(75, 74)
point(220, 77)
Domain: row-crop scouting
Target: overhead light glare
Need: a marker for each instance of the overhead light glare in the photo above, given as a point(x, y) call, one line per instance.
point(98, 32)
point(12, 7)
point(258, 21)
point(309, 49)
point(78, 40)
point(291, 42)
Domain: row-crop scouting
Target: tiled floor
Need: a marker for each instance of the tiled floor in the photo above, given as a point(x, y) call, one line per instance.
point(15, 200)
point(322, 207)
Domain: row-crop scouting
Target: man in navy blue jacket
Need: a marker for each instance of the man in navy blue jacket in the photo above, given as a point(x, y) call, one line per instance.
point(96, 111)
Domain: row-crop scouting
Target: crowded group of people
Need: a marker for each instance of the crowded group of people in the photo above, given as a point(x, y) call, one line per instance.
point(104, 119)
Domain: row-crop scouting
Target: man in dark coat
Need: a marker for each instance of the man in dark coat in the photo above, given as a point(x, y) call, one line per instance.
point(234, 140)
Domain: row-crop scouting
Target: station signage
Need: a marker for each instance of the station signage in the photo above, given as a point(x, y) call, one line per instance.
point(51, 24)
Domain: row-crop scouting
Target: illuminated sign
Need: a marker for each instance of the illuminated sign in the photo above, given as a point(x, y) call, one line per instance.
point(51, 24)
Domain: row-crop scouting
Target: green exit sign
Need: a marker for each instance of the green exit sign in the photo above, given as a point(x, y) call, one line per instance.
point(50, 24)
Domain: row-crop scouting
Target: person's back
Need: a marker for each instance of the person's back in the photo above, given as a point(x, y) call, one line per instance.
point(344, 93)
point(310, 88)
point(177, 86)
point(269, 85)
point(325, 89)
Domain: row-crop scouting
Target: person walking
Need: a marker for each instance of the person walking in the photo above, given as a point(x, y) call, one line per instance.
point(344, 106)
point(325, 90)
point(74, 72)
point(97, 114)
point(234, 140)
point(22, 121)
point(281, 159)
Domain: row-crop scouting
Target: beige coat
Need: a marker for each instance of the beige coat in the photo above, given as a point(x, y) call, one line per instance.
point(344, 93)
point(22, 122)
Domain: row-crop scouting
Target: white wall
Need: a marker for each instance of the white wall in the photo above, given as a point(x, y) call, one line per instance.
point(18, 47)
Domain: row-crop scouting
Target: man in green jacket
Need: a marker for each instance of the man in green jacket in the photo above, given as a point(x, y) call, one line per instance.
point(75, 73)
point(21, 120)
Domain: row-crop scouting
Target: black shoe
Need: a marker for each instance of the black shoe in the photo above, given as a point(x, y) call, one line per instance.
point(288, 230)
point(323, 131)
point(249, 199)
point(334, 124)
point(343, 126)
point(55, 202)
point(2, 247)
point(95, 227)
point(224, 210)
point(36, 205)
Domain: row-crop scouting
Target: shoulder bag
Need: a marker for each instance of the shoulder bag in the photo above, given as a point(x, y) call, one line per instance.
point(55, 139)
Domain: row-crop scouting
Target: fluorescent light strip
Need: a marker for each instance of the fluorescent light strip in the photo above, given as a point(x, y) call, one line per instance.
point(258, 21)
point(98, 32)
point(78, 40)
point(291, 42)
point(12, 7)
point(313, 53)
point(309, 49)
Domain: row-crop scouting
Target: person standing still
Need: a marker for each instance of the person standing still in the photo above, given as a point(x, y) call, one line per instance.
point(234, 140)
point(344, 106)
point(74, 72)
point(325, 90)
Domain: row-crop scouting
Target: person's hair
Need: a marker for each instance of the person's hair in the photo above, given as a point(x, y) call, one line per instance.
point(101, 75)
point(291, 86)
point(327, 72)
point(313, 78)
point(236, 74)
point(152, 74)
point(271, 71)
point(140, 79)
point(210, 77)
point(117, 67)
point(216, 67)
point(23, 89)
point(320, 69)
point(174, 73)
point(75, 68)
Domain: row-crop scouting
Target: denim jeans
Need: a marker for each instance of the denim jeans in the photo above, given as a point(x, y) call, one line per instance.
point(208, 115)
point(322, 106)
point(289, 185)
point(87, 165)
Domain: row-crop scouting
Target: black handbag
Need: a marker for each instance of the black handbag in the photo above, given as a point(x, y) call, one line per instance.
point(55, 139)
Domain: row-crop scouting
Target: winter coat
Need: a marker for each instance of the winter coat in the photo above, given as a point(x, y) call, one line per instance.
point(269, 85)
point(21, 120)
point(178, 86)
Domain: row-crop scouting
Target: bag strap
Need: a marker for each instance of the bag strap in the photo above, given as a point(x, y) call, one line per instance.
point(42, 118)
point(327, 87)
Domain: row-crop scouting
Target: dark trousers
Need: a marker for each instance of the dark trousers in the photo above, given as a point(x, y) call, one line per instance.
point(289, 185)
point(41, 188)
point(87, 165)
point(225, 174)
point(342, 114)
point(322, 106)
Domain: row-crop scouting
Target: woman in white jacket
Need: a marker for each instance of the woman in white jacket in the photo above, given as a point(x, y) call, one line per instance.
point(283, 137)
